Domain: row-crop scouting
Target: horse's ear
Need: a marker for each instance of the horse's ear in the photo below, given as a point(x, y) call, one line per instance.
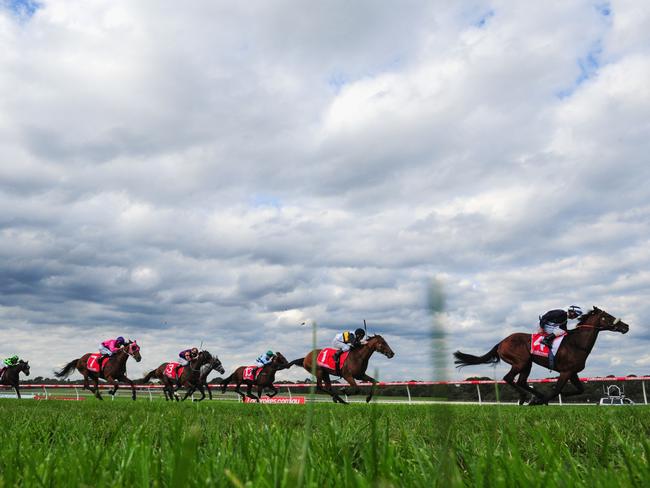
point(595, 308)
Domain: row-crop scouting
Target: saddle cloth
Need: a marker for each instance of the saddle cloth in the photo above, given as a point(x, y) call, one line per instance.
point(539, 349)
point(325, 358)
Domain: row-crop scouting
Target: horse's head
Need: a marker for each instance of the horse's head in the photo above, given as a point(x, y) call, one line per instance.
point(379, 344)
point(216, 365)
point(24, 367)
point(601, 320)
point(204, 357)
point(132, 349)
point(279, 360)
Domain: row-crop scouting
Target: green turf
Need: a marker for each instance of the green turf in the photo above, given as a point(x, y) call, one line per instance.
point(231, 444)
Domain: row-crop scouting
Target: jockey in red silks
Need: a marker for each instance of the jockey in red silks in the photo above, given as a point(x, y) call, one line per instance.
point(108, 347)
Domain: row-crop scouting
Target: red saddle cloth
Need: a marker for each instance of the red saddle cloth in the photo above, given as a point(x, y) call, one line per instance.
point(325, 358)
point(539, 349)
point(93, 362)
point(172, 371)
point(251, 372)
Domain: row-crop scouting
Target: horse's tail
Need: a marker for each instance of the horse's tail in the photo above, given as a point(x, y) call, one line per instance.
point(148, 376)
point(67, 369)
point(463, 359)
point(296, 362)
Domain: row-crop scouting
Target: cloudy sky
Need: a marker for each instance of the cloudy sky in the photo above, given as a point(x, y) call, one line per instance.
point(223, 171)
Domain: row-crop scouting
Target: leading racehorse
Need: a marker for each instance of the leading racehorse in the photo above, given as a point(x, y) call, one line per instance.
point(353, 369)
point(569, 360)
point(264, 378)
point(114, 369)
point(11, 373)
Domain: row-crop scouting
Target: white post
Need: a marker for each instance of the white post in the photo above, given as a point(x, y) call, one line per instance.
point(478, 390)
point(645, 397)
point(150, 397)
point(76, 390)
point(45, 392)
point(408, 392)
point(559, 397)
point(289, 392)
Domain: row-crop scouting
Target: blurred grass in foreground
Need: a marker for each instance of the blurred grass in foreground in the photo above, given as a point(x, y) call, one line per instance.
point(232, 444)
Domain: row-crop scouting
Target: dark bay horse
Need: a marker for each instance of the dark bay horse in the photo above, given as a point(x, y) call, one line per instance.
point(206, 369)
point(190, 377)
point(569, 360)
point(11, 373)
point(113, 371)
point(353, 369)
point(264, 379)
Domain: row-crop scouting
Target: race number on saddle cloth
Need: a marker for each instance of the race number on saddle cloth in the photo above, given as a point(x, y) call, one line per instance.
point(325, 358)
point(174, 370)
point(539, 349)
point(93, 362)
point(251, 373)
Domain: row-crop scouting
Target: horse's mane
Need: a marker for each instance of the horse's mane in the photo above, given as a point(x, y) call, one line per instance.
point(583, 318)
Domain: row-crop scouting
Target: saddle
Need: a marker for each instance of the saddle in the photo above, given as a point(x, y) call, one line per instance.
point(251, 372)
point(173, 371)
point(93, 363)
point(325, 359)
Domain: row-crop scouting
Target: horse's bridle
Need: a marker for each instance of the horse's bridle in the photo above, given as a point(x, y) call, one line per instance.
point(616, 321)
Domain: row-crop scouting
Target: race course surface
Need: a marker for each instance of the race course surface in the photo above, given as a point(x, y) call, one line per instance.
point(122, 443)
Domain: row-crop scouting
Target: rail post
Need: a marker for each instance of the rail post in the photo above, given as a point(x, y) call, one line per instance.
point(645, 397)
point(289, 392)
point(45, 392)
point(408, 392)
point(478, 391)
point(76, 390)
point(150, 397)
point(559, 398)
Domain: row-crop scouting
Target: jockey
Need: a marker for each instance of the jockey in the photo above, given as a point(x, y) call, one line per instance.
point(11, 361)
point(7, 363)
point(264, 359)
point(554, 323)
point(187, 355)
point(109, 347)
point(347, 340)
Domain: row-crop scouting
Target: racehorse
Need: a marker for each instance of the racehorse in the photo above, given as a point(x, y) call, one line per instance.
point(569, 360)
point(190, 377)
point(264, 378)
point(11, 373)
point(206, 369)
point(353, 369)
point(114, 369)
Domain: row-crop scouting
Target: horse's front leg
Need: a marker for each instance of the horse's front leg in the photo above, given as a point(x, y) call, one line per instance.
point(17, 391)
point(116, 384)
point(207, 386)
point(369, 379)
point(274, 391)
point(127, 380)
point(201, 391)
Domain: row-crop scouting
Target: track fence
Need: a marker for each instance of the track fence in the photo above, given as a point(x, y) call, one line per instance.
point(299, 392)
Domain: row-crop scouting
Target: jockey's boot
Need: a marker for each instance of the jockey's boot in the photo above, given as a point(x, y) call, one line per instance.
point(337, 357)
point(100, 362)
point(548, 340)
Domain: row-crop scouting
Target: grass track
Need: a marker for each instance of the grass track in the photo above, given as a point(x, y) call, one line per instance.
point(231, 444)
